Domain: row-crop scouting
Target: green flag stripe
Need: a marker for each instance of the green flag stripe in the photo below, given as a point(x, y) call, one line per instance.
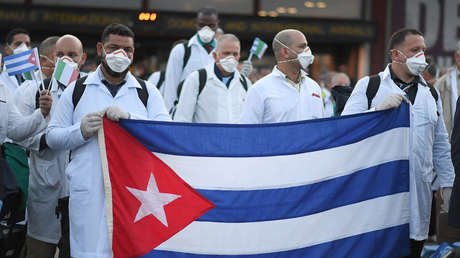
point(59, 69)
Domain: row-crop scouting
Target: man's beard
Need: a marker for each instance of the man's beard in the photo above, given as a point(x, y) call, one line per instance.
point(112, 72)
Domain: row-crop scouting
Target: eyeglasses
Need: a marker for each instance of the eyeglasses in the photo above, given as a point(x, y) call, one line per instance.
point(112, 47)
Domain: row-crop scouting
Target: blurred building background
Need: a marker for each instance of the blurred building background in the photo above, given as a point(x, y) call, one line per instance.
point(344, 35)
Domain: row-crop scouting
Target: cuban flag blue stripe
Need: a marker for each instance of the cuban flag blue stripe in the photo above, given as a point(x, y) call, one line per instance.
point(266, 139)
point(12, 65)
point(11, 57)
point(363, 245)
point(272, 204)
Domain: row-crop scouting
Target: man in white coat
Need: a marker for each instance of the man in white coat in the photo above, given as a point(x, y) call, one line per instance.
point(429, 144)
point(191, 56)
point(287, 93)
point(47, 181)
point(111, 90)
point(221, 96)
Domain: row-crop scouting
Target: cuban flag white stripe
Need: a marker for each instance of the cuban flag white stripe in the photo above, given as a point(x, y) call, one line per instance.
point(264, 237)
point(19, 68)
point(16, 60)
point(255, 173)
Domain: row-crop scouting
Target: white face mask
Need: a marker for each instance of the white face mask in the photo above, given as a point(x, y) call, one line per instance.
point(229, 64)
point(206, 34)
point(416, 64)
point(305, 58)
point(118, 60)
point(21, 48)
point(70, 61)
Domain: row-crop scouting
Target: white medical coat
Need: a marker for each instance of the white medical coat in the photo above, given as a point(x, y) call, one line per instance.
point(215, 104)
point(199, 58)
point(47, 181)
point(429, 146)
point(273, 99)
point(88, 222)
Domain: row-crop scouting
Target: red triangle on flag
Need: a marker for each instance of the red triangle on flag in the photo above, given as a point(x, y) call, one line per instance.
point(134, 170)
point(33, 59)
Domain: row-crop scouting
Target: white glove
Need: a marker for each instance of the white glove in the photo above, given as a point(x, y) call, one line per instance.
point(246, 68)
point(114, 113)
point(90, 124)
point(391, 101)
point(445, 196)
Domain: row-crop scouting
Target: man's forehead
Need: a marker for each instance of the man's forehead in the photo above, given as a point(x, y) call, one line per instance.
point(120, 40)
point(68, 45)
point(21, 36)
point(413, 40)
point(207, 18)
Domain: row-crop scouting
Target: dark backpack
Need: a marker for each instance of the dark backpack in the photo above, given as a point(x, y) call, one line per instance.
point(187, 53)
point(80, 88)
point(161, 80)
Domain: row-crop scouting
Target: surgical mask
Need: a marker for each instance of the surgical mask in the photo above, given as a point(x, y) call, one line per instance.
point(70, 61)
point(21, 48)
point(305, 58)
point(118, 60)
point(206, 34)
point(416, 64)
point(229, 64)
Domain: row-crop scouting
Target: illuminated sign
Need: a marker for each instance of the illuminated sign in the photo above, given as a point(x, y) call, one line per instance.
point(145, 16)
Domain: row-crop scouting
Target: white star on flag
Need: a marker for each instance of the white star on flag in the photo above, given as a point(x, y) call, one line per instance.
point(152, 201)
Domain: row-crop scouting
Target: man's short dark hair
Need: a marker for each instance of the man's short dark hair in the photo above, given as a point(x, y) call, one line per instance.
point(399, 36)
point(10, 36)
point(116, 29)
point(47, 45)
point(207, 12)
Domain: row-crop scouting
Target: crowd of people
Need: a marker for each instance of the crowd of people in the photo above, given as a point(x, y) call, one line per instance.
point(50, 128)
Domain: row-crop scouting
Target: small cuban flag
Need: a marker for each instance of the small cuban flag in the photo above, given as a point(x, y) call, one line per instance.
point(22, 62)
point(258, 47)
point(65, 72)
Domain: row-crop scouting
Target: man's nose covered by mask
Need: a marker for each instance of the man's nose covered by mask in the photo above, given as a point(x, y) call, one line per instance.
point(305, 58)
point(206, 34)
point(416, 64)
point(229, 64)
point(118, 61)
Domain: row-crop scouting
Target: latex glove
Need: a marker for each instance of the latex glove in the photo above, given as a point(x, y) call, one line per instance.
point(114, 113)
point(90, 124)
point(246, 68)
point(445, 196)
point(391, 101)
point(45, 102)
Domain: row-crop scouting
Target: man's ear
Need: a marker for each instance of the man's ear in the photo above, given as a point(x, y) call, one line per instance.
point(82, 61)
point(98, 48)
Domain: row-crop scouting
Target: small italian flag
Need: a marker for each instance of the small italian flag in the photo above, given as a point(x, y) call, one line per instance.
point(64, 72)
point(258, 47)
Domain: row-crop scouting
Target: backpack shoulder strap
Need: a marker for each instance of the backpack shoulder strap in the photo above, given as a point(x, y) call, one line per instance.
point(162, 79)
point(433, 91)
point(142, 92)
point(187, 52)
point(47, 86)
point(202, 77)
point(78, 91)
point(372, 88)
point(244, 82)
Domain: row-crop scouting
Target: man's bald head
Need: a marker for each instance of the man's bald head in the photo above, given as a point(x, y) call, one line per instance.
point(286, 37)
point(71, 46)
point(340, 79)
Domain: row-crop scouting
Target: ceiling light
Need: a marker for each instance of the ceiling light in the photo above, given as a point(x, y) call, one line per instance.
point(321, 4)
point(309, 4)
point(281, 9)
point(292, 10)
point(262, 13)
point(272, 14)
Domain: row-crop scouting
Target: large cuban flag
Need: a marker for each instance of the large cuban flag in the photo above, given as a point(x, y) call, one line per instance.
point(336, 187)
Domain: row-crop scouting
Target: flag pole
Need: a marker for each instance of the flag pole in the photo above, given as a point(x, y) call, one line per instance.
point(39, 68)
point(250, 56)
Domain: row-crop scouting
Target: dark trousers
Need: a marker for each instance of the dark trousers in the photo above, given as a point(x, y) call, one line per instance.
point(415, 248)
point(64, 243)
